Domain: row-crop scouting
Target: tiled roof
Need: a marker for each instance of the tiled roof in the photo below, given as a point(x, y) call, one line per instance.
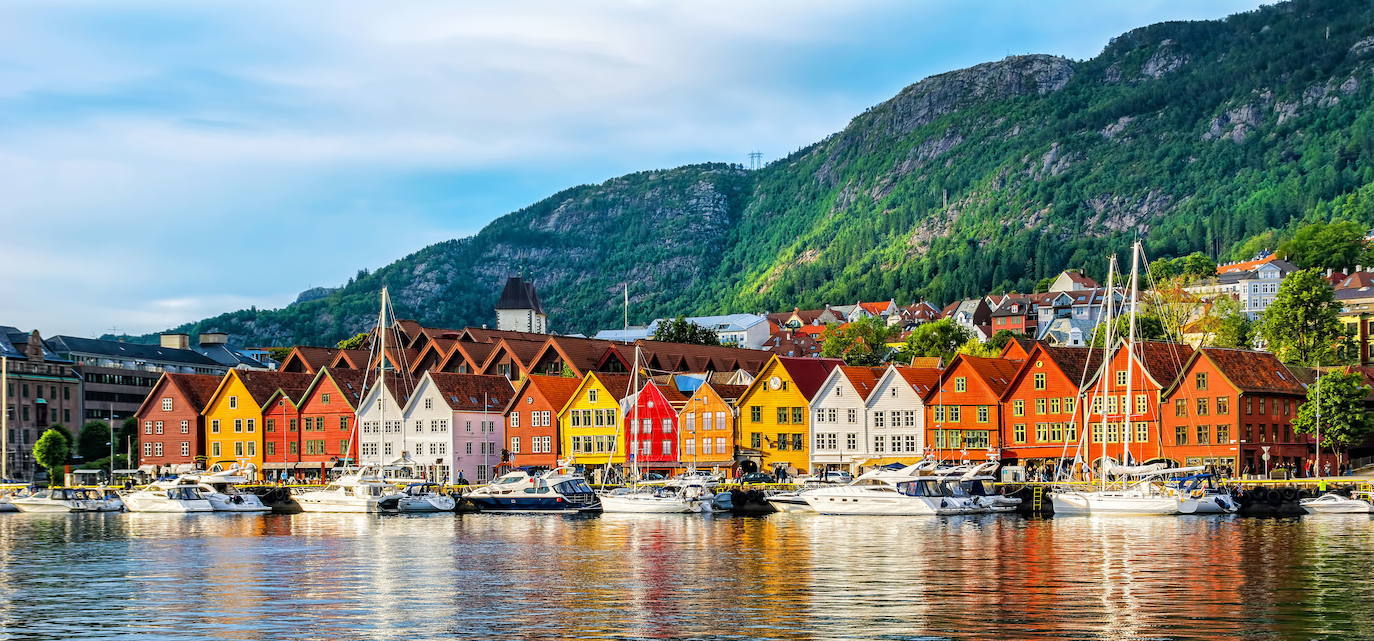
point(350, 382)
point(995, 372)
point(486, 335)
point(670, 393)
point(1246, 266)
point(921, 379)
point(119, 349)
point(1073, 361)
point(555, 389)
point(687, 357)
point(875, 308)
point(311, 358)
point(1162, 361)
point(807, 316)
point(864, 379)
point(926, 362)
point(728, 392)
point(582, 354)
point(1079, 279)
point(262, 384)
point(354, 358)
point(1357, 279)
point(1253, 371)
point(808, 373)
point(617, 384)
point(197, 388)
point(466, 392)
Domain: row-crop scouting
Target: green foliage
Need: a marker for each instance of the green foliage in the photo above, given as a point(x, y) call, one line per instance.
point(94, 441)
point(1233, 327)
point(1001, 337)
point(1338, 245)
point(1302, 325)
point(941, 338)
point(356, 341)
point(279, 354)
point(681, 330)
point(66, 433)
point(1194, 266)
point(861, 342)
point(1335, 409)
point(974, 348)
point(51, 452)
point(1048, 171)
point(1148, 327)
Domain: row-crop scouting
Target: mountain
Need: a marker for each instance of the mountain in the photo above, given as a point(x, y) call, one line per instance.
point(1193, 135)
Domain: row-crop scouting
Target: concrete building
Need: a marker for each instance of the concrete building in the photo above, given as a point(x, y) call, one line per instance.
point(519, 309)
point(1254, 283)
point(749, 331)
point(41, 389)
point(117, 376)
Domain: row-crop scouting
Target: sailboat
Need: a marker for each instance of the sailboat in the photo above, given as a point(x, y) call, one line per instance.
point(1135, 489)
point(365, 489)
point(660, 499)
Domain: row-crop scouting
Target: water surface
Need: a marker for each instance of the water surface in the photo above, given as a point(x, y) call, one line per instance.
point(786, 576)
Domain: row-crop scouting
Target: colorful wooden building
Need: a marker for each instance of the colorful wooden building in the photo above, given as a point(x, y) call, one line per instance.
point(1041, 406)
point(328, 434)
point(654, 441)
point(173, 435)
point(591, 423)
point(774, 411)
point(455, 428)
point(839, 420)
point(532, 419)
point(233, 415)
point(707, 426)
point(897, 417)
point(964, 410)
point(1133, 422)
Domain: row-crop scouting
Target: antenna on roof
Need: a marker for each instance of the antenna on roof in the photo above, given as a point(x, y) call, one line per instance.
point(627, 306)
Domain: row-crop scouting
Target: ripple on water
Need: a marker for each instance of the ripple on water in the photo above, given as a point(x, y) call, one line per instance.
point(315, 576)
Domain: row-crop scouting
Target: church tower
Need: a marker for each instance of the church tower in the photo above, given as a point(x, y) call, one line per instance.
point(519, 310)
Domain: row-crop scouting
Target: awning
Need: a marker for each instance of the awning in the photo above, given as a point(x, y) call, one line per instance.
point(278, 465)
point(310, 465)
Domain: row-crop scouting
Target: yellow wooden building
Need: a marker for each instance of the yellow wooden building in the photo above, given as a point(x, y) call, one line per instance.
point(774, 418)
point(591, 424)
point(233, 415)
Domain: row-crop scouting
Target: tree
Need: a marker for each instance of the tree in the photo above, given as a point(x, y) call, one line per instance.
point(51, 452)
point(357, 341)
point(1148, 327)
point(1340, 397)
point(1233, 327)
point(1335, 245)
point(279, 354)
point(862, 342)
point(1302, 324)
point(66, 433)
point(940, 338)
point(973, 347)
point(1192, 267)
point(94, 441)
point(681, 330)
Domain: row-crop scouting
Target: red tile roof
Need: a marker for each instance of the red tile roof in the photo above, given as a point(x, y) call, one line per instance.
point(555, 389)
point(1253, 371)
point(262, 384)
point(927, 362)
point(864, 379)
point(1079, 279)
point(921, 379)
point(1245, 266)
point(1162, 361)
point(1357, 280)
point(617, 384)
point(466, 392)
point(808, 373)
point(350, 383)
point(874, 308)
point(1073, 361)
point(311, 358)
point(996, 373)
point(727, 392)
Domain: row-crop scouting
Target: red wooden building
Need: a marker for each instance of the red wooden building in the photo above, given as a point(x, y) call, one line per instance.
point(532, 419)
point(1133, 422)
point(172, 434)
point(964, 409)
point(1229, 407)
point(656, 407)
point(328, 411)
point(1041, 418)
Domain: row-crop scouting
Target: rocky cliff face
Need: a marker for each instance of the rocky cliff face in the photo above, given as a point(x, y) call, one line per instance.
point(1194, 135)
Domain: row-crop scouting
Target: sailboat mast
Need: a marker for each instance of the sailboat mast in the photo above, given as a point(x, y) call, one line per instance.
point(1103, 387)
point(381, 373)
point(634, 426)
point(1127, 412)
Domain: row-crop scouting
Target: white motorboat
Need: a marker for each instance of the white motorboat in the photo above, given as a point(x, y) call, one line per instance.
point(902, 492)
point(9, 495)
point(56, 499)
point(976, 483)
point(218, 488)
point(675, 496)
point(789, 502)
point(167, 496)
point(1199, 494)
point(105, 499)
point(561, 489)
point(421, 497)
point(361, 491)
point(1356, 503)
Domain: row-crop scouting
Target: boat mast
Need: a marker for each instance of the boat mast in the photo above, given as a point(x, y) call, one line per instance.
point(381, 374)
point(1103, 382)
point(1128, 411)
point(634, 426)
point(5, 419)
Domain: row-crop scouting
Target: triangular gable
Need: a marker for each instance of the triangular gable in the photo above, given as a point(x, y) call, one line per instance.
point(219, 391)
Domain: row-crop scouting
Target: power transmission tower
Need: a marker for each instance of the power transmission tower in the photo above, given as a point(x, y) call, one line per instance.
point(755, 159)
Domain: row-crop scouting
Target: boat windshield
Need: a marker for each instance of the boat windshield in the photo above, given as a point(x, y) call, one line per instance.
point(511, 478)
point(977, 488)
point(953, 488)
point(41, 494)
point(184, 494)
point(919, 488)
point(575, 486)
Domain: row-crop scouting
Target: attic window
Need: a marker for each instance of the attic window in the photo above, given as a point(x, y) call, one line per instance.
point(529, 400)
point(233, 402)
point(472, 399)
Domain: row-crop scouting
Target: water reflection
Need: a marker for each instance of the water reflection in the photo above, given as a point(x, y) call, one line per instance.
point(313, 576)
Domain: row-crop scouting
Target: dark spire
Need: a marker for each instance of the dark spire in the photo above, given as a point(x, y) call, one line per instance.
point(519, 294)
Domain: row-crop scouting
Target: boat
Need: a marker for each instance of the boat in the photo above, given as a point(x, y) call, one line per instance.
point(789, 502)
point(55, 499)
point(218, 488)
point(978, 482)
point(420, 497)
point(9, 495)
point(560, 489)
point(676, 496)
point(168, 496)
point(909, 491)
point(1331, 503)
point(1199, 494)
point(360, 491)
point(105, 499)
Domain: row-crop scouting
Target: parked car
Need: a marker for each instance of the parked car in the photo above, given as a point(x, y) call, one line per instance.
point(757, 477)
point(836, 476)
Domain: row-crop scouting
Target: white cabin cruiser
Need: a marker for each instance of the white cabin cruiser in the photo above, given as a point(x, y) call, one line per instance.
point(893, 493)
point(561, 489)
point(56, 499)
point(679, 496)
point(789, 502)
point(361, 491)
point(1199, 494)
point(976, 482)
point(218, 488)
point(168, 496)
point(420, 497)
point(9, 495)
point(1357, 503)
point(105, 499)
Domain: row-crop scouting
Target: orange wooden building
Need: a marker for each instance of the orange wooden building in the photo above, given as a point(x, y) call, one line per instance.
point(964, 410)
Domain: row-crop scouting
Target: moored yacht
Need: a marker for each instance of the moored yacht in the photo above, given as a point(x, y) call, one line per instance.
point(558, 490)
point(1356, 503)
point(361, 491)
point(1199, 494)
point(167, 497)
point(675, 496)
point(1141, 496)
point(420, 497)
point(55, 499)
point(901, 492)
point(218, 488)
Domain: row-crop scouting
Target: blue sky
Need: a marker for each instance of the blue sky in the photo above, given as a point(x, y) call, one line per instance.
point(166, 161)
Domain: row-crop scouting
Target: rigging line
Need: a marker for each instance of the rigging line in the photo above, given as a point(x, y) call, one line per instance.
point(1179, 363)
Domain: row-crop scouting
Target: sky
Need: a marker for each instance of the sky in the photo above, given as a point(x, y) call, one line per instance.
point(161, 162)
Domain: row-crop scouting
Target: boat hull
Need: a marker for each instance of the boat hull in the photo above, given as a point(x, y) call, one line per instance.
point(882, 506)
point(420, 504)
point(1336, 505)
point(649, 505)
point(792, 503)
point(1092, 503)
point(166, 506)
point(48, 507)
point(530, 504)
point(1207, 505)
point(338, 505)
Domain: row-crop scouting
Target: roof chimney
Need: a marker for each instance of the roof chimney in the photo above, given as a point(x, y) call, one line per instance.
point(175, 341)
point(212, 338)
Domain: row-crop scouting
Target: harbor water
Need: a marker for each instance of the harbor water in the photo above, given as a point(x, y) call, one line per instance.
point(785, 576)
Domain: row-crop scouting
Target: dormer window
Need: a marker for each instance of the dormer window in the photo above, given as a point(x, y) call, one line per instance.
point(167, 404)
point(591, 396)
point(233, 402)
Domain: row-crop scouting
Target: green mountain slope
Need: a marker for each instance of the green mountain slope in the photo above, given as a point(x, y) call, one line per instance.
point(1195, 136)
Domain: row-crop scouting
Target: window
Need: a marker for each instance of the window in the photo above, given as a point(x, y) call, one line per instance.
point(880, 419)
point(755, 440)
point(1202, 407)
point(1181, 435)
point(467, 447)
point(1039, 380)
point(666, 425)
point(783, 414)
point(961, 384)
point(1223, 434)
point(252, 448)
point(186, 427)
point(1039, 406)
point(591, 395)
point(953, 412)
point(147, 449)
point(343, 423)
point(252, 424)
point(851, 441)
point(755, 413)
point(1121, 377)
point(720, 420)
point(514, 419)
point(238, 448)
point(185, 448)
point(1141, 404)
point(269, 425)
point(214, 449)
point(879, 443)
point(147, 427)
point(1201, 379)
point(1018, 433)
point(1018, 407)
point(270, 448)
point(1180, 407)
point(214, 426)
point(1204, 435)
point(429, 403)
point(1249, 406)
point(691, 422)
point(1054, 406)
point(983, 413)
point(798, 415)
point(233, 402)
point(799, 442)
point(157, 427)
point(1142, 432)
point(690, 446)
point(976, 438)
point(238, 425)
point(720, 445)
point(167, 404)
point(324, 400)
point(939, 413)
point(665, 448)
point(854, 415)
point(515, 445)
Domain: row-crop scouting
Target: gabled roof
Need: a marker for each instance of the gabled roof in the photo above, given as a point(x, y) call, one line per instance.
point(727, 393)
point(433, 354)
point(261, 385)
point(488, 335)
point(1077, 278)
point(670, 393)
point(472, 392)
point(1249, 371)
point(475, 355)
point(120, 349)
point(349, 382)
point(555, 389)
point(617, 384)
point(1246, 266)
point(875, 308)
point(523, 352)
point(581, 355)
point(686, 357)
point(1071, 361)
point(519, 294)
point(308, 359)
point(864, 379)
point(921, 379)
point(350, 358)
point(400, 386)
point(1356, 280)
point(196, 388)
point(996, 373)
point(1162, 361)
point(807, 373)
